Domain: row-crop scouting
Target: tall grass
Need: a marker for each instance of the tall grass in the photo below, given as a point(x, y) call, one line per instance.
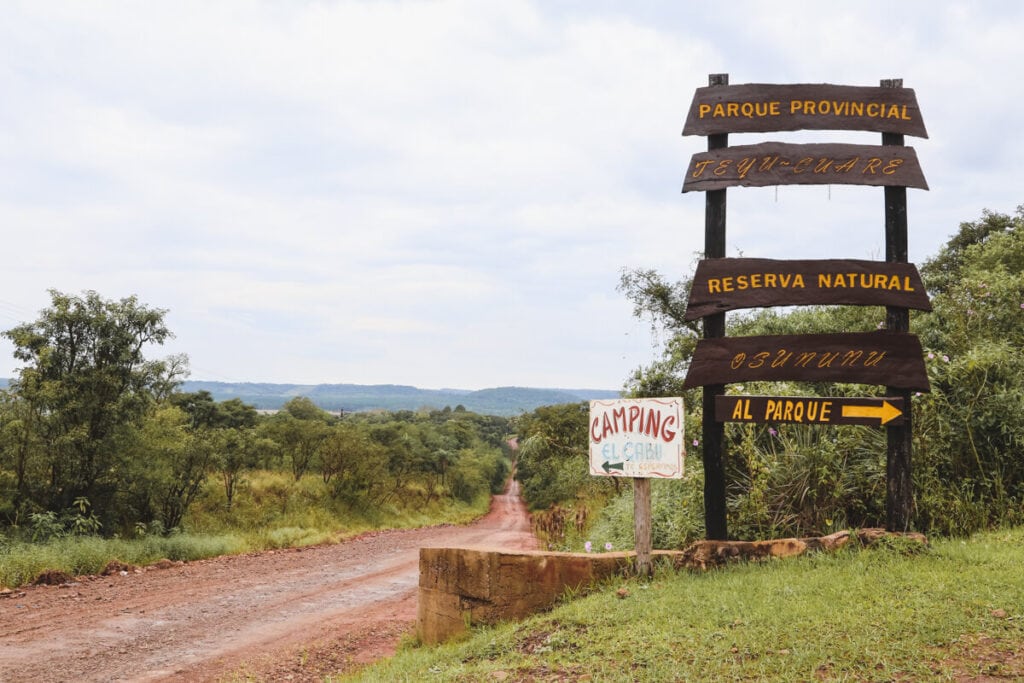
point(271, 510)
point(875, 614)
point(21, 562)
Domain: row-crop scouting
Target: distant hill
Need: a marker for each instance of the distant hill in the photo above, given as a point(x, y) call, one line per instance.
point(357, 397)
point(504, 401)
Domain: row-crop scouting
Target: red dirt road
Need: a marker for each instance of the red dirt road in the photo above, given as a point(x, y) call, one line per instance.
point(296, 614)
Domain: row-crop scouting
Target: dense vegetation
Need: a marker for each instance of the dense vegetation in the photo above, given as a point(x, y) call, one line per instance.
point(98, 440)
point(785, 479)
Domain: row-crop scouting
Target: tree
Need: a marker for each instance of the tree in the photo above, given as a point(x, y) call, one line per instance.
point(299, 429)
point(86, 382)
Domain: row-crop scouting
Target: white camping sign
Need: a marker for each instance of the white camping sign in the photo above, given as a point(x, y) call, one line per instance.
point(638, 437)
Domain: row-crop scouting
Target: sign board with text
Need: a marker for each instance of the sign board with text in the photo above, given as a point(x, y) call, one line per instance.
point(639, 438)
point(818, 163)
point(871, 411)
point(882, 358)
point(763, 108)
point(726, 284)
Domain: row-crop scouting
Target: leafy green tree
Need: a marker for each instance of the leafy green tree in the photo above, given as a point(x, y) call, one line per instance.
point(86, 382)
point(170, 464)
point(238, 449)
point(353, 464)
point(299, 438)
point(21, 458)
point(553, 460)
point(970, 428)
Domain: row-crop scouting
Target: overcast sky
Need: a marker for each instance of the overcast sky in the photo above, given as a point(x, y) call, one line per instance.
point(444, 194)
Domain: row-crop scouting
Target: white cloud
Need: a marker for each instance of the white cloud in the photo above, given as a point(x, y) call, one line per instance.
point(444, 193)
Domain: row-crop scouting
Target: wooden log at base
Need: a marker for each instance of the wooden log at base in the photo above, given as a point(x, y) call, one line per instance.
point(704, 555)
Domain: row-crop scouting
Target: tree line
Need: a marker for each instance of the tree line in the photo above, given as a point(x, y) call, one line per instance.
point(96, 438)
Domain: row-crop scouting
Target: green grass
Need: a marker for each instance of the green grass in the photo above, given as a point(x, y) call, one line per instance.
point(271, 510)
point(22, 562)
point(875, 614)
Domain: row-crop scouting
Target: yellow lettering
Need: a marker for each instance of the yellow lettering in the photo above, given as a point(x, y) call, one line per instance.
point(851, 357)
point(703, 109)
point(903, 114)
point(826, 408)
point(719, 110)
point(745, 165)
point(758, 360)
point(798, 280)
point(809, 107)
point(892, 166)
point(827, 359)
point(873, 108)
point(794, 106)
point(894, 112)
point(699, 168)
point(737, 410)
point(755, 280)
point(714, 285)
point(823, 165)
point(857, 108)
point(894, 282)
point(726, 284)
point(781, 358)
point(846, 166)
point(906, 284)
point(774, 109)
point(802, 165)
point(825, 280)
point(872, 165)
point(874, 358)
point(879, 282)
point(741, 282)
point(737, 361)
point(769, 280)
point(723, 167)
point(805, 358)
point(733, 109)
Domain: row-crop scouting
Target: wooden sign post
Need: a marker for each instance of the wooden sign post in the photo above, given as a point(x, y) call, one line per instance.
point(640, 438)
point(892, 358)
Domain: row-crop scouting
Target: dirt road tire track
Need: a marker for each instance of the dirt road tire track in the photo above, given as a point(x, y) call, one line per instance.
point(271, 615)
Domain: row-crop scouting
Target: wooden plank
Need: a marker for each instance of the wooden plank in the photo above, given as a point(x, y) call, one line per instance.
point(763, 108)
point(882, 358)
point(642, 526)
point(726, 284)
point(779, 163)
point(713, 433)
point(899, 498)
point(868, 411)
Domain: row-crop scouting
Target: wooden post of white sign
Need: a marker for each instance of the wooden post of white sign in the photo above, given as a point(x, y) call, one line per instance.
point(642, 525)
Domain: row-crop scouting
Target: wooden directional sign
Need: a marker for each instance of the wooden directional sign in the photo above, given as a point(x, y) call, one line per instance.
point(873, 412)
point(730, 283)
point(881, 358)
point(639, 438)
point(762, 108)
point(779, 163)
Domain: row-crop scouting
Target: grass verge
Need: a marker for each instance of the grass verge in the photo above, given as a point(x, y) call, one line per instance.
point(271, 511)
point(877, 614)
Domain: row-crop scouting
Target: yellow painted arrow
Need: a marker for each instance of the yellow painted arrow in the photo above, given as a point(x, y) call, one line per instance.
point(886, 412)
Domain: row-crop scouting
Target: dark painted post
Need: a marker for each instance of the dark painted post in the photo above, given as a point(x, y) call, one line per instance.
point(714, 326)
point(899, 496)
